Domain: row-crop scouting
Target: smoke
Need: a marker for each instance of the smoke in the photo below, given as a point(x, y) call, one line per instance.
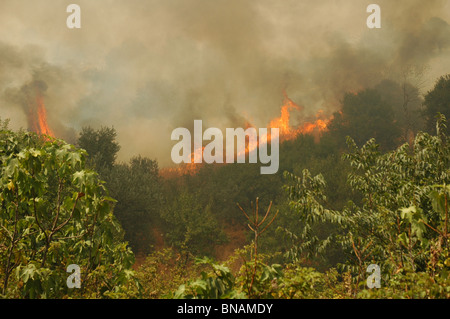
point(147, 67)
point(28, 97)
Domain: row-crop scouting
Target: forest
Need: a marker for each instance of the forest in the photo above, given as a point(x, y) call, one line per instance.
point(371, 192)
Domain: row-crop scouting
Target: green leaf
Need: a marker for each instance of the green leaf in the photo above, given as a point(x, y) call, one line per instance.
point(28, 272)
point(437, 201)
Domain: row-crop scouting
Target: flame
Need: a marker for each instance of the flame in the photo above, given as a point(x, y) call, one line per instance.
point(181, 169)
point(185, 168)
point(192, 167)
point(38, 117)
point(286, 132)
point(282, 122)
point(319, 125)
point(42, 118)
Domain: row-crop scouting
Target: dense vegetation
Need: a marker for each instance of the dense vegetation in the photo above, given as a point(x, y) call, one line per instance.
point(373, 190)
point(54, 213)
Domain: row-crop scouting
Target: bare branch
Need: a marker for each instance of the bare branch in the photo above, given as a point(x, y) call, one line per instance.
point(267, 213)
point(264, 229)
point(243, 211)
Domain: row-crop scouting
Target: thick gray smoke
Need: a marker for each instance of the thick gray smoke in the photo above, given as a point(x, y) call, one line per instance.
point(147, 67)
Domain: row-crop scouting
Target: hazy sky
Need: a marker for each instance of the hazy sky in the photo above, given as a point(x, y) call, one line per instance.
point(147, 67)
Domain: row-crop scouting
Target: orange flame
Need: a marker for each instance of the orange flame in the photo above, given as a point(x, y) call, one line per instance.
point(286, 132)
point(184, 168)
point(42, 118)
point(37, 117)
point(282, 122)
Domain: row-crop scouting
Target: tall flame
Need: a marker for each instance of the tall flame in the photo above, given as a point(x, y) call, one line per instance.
point(37, 117)
point(282, 122)
point(42, 118)
point(287, 132)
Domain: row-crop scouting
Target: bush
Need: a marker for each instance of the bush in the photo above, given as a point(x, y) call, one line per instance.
point(53, 213)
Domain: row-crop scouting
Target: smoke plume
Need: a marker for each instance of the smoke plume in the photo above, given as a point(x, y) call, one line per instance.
point(147, 67)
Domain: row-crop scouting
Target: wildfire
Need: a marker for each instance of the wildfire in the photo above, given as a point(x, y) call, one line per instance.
point(286, 132)
point(42, 118)
point(38, 117)
point(282, 122)
point(184, 168)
